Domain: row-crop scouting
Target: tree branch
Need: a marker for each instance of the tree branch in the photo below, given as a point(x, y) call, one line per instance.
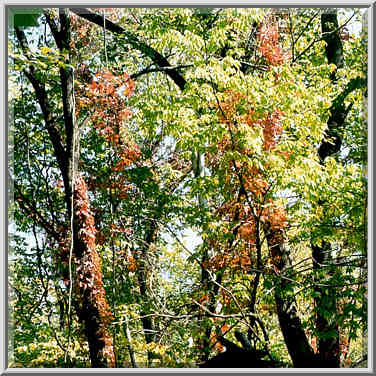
point(31, 209)
point(131, 39)
point(53, 26)
point(332, 142)
point(41, 96)
point(159, 69)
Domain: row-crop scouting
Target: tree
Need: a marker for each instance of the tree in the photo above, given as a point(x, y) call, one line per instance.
point(245, 126)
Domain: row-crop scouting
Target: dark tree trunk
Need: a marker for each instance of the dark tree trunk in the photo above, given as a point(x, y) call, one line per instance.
point(240, 357)
point(300, 351)
point(325, 299)
point(331, 35)
point(329, 352)
point(297, 344)
point(213, 290)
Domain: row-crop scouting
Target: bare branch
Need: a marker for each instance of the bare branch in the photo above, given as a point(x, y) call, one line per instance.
point(132, 39)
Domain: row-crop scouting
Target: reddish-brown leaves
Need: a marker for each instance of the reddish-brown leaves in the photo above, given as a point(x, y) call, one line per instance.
point(248, 213)
point(88, 265)
point(272, 129)
point(104, 98)
point(268, 37)
point(269, 48)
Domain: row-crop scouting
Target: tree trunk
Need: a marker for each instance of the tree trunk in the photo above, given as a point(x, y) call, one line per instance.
point(333, 48)
point(93, 310)
point(142, 277)
point(91, 305)
point(300, 351)
point(89, 299)
point(325, 299)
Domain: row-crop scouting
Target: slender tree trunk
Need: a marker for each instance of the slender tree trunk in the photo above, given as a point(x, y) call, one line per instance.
point(198, 168)
point(204, 343)
point(142, 277)
point(129, 344)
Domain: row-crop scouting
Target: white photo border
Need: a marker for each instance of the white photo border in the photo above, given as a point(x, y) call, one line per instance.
point(4, 10)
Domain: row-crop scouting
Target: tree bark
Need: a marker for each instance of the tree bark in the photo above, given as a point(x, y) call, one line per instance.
point(333, 48)
point(91, 305)
point(326, 301)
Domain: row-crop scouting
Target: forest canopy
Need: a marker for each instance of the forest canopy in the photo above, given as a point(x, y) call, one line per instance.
point(188, 187)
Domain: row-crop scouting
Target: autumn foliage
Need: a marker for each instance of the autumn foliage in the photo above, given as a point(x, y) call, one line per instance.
point(104, 98)
point(268, 37)
point(179, 221)
point(88, 267)
point(250, 210)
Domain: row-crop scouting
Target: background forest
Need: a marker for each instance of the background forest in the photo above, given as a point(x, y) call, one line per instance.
point(188, 187)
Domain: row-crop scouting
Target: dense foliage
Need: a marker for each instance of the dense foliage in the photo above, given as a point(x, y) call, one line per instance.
point(189, 188)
